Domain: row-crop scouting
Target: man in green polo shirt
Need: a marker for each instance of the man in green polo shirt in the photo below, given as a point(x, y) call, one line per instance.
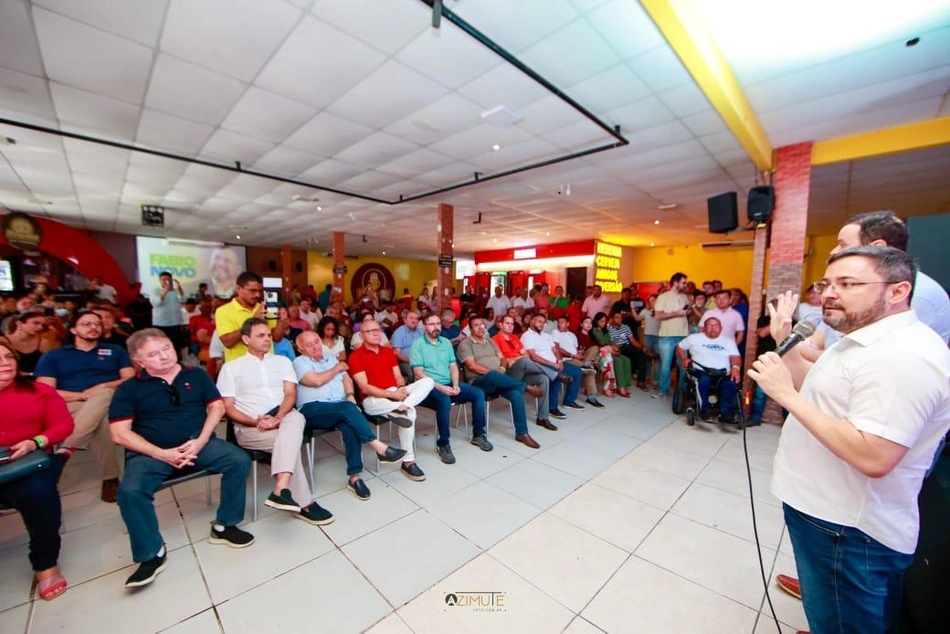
point(432, 356)
point(229, 318)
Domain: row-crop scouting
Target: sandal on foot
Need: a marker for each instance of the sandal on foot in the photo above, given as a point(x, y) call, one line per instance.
point(51, 587)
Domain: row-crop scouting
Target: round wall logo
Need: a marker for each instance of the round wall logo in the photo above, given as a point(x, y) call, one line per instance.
point(21, 231)
point(372, 277)
point(451, 599)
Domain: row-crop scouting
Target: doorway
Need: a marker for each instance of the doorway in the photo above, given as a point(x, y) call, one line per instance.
point(576, 280)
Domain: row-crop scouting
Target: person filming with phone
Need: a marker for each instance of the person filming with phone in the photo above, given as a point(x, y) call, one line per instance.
point(864, 423)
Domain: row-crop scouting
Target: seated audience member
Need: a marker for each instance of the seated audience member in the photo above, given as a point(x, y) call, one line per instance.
point(714, 351)
point(542, 350)
point(467, 300)
point(567, 346)
point(308, 314)
point(403, 338)
point(620, 366)
point(521, 368)
point(357, 339)
point(200, 329)
point(329, 332)
point(215, 356)
point(451, 330)
point(110, 333)
point(296, 323)
point(596, 303)
point(732, 326)
point(387, 317)
point(628, 346)
point(432, 356)
point(86, 374)
point(27, 340)
point(384, 391)
point(260, 392)
point(482, 364)
point(326, 398)
point(35, 418)
point(165, 418)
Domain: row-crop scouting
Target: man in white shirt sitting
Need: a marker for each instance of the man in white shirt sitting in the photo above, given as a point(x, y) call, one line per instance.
point(260, 391)
point(712, 350)
point(542, 350)
point(311, 316)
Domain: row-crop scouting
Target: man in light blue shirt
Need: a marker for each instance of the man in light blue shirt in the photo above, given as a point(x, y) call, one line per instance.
point(402, 341)
point(325, 397)
point(166, 308)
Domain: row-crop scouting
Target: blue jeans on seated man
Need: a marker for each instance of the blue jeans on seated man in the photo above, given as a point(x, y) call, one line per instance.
point(442, 404)
point(349, 420)
point(572, 389)
point(726, 393)
point(143, 475)
point(495, 383)
point(851, 583)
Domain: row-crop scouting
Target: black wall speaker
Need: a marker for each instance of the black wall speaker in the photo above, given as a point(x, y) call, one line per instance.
point(723, 212)
point(272, 265)
point(761, 202)
point(298, 267)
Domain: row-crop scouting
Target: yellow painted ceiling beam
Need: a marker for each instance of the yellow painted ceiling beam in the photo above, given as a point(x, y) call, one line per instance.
point(913, 136)
point(685, 30)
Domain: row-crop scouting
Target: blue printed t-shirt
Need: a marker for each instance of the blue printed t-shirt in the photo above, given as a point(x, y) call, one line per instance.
point(151, 404)
point(433, 358)
point(76, 370)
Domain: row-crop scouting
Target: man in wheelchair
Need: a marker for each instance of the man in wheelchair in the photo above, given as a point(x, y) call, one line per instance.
point(714, 362)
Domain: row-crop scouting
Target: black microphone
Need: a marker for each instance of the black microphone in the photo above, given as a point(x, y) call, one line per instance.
point(802, 330)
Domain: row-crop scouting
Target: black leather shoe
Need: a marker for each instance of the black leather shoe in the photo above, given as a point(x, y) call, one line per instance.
point(359, 489)
point(391, 455)
point(544, 422)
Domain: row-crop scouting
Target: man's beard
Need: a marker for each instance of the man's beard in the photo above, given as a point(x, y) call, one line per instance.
point(848, 322)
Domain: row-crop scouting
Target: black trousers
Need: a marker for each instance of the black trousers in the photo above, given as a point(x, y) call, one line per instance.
point(638, 359)
point(36, 497)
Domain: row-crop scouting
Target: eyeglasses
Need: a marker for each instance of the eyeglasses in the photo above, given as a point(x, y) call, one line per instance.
point(845, 285)
point(173, 392)
point(370, 330)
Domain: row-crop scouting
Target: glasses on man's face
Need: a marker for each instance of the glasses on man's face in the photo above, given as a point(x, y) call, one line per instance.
point(174, 394)
point(845, 285)
point(369, 331)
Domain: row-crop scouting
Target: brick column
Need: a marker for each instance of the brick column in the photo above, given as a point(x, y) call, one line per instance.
point(286, 266)
point(445, 236)
point(339, 262)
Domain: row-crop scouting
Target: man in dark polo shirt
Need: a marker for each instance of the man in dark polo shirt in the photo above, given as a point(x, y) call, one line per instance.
point(86, 374)
point(375, 370)
point(165, 418)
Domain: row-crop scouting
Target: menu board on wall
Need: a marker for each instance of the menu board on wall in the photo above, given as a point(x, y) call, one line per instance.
point(191, 263)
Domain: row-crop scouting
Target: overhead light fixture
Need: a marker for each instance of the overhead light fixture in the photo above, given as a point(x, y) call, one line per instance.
point(653, 244)
point(547, 233)
point(237, 237)
point(494, 240)
point(384, 253)
point(668, 206)
point(656, 222)
point(495, 147)
point(319, 208)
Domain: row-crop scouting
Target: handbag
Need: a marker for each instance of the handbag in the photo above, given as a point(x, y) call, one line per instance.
point(16, 469)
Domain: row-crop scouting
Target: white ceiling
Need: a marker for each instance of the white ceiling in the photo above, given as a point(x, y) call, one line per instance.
point(363, 95)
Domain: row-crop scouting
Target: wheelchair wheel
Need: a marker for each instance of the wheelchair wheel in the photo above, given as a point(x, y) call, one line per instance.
point(690, 417)
point(678, 400)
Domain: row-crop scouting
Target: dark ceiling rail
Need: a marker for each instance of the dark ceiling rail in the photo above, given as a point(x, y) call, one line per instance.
point(613, 131)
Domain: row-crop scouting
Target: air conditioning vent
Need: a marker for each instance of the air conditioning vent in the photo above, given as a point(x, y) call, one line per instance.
point(736, 244)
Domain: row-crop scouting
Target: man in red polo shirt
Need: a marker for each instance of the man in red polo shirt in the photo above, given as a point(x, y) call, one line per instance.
point(384, 391)
point(521, 368)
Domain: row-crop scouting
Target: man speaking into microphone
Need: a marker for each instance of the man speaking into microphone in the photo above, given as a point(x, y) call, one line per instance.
point(864, 422)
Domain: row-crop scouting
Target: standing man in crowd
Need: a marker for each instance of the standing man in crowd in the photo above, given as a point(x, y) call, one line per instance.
point(670, 310)
point(864, 424)
point(432, 356)
point(229, 318)
point(165, 418)
point(597, 302)
point(499, 302)
point(731, 323)
point(86, 375)
point(167, 301)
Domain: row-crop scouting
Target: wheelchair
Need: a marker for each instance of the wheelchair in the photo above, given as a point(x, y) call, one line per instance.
point(687, 398)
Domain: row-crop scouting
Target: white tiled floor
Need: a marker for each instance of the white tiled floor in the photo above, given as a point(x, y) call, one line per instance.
point(626, 520)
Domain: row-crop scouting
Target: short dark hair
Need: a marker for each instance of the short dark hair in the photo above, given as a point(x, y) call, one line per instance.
point(891, 264)
point(249, 324)
point(327, 321)
point(248, 276)
point(677, 277)
point(724, 291)
point(163, 274)
point(881, 225)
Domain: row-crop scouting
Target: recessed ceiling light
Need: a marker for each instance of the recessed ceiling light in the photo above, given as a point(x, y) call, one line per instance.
point(547, 233)
point(495, 147)
point(668, 206)
point(319, 208)
point(238, 237)
point(656, 222)
point(494, 240)
point(384, 253)
point(653, 244)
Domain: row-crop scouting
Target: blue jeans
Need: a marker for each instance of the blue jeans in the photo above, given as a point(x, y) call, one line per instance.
point(143, 475)
point(667, 354)
point(442, 404)
point(759, 399)
point(36, 497)
point(497, 384)
point(349, 420)
point(851, 583)
point(726, 393)
point(572, 389)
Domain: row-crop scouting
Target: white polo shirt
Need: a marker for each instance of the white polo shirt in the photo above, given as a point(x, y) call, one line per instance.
point(567, 340)
point(889, 379)
point(257, 386)
point(540, 343)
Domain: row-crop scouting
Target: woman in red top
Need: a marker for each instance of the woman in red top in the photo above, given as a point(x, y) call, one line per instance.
point(34, 418)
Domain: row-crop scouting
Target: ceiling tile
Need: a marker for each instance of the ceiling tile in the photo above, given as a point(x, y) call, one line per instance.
point(330, 172)
point(23, 93)
point(609, 90)
point(570, 55)
point(685, 100)
point(368, 181)
point(643, 114)
point(548, 114)
point(581, 135)
point(517, 25)
point(385, 24)
point(264, 115)
point(405, 91)
point(307, 66)
point(503, 85)
point(327, 134)
point(375, 150)
point(229, 147)
point(234, 37)
point(90, 59)
point(448, 175)
point(626, 27)
point(449, 56)
point(139, 21)
point(114, 119)
point(517, 155)
point(660, 69)
point(437, 120)
point(180, 88)
point(286, 161)
point(164, 131)
point(418, 162)
point(19, 49)
point(705, 122)
point(662, 135)
point(479, 140)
